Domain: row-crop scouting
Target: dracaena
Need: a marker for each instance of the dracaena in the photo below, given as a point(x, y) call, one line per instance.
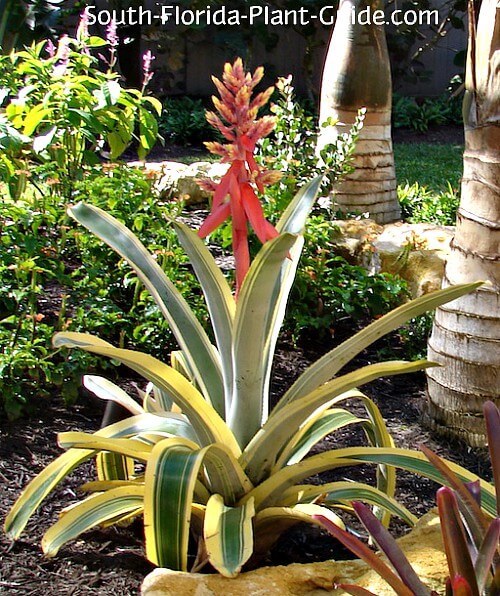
point(470, 536)
point(216, 462)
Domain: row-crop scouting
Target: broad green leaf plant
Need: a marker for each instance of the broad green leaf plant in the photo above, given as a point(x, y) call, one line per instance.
point(61, 104)
point(203, 454)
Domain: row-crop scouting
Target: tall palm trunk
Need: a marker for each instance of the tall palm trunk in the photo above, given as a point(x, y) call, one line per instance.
point(357, 74)
point(466, 333)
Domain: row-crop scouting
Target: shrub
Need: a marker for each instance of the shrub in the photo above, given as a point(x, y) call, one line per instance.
point(183, 121)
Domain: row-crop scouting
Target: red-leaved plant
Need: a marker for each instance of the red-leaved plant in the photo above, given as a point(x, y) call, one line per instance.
point(470, 537)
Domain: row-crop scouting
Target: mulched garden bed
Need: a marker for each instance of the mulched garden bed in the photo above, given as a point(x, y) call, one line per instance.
point(111, 562)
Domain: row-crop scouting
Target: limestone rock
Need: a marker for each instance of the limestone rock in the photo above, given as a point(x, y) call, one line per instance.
point(423, 547)
point(176, 180)
point(416, 252)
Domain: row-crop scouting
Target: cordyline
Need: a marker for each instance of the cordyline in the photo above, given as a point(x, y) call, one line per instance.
point(234, 196)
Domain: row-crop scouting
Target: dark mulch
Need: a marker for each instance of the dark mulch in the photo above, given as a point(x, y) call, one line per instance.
point(111, 562)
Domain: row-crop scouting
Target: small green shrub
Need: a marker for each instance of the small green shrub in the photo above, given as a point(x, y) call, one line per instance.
point(183, 122)
point(408, 112)
point(90, 290)
point(330, 293)
point(421, 205)
point(60, 107)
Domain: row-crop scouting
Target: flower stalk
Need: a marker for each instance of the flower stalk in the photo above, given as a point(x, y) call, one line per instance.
point(235, 195)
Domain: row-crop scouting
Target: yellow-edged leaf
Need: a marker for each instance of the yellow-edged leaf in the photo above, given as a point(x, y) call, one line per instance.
point(81, 440)
point(187, 329)
point(342, 492)
point(170, 480)
point(208, 425)
point(91, 512)
point(225, 475)
point(47, 479)
point(258, 317)
point(269, 492)
point(328, 365)
point(228, 535)
point(260, 456)
point(111, 466)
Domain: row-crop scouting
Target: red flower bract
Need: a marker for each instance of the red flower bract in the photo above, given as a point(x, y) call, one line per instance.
point(235, 195)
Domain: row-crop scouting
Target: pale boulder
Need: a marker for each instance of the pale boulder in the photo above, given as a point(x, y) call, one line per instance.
point(423, 547)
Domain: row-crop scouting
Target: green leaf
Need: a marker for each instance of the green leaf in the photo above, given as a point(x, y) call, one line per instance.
point(34, 117)
point(208, 425)
point(91, 512)
point(328, 365)
point(156, 103)
point(117, 143)
point(148, 132)
point(169, 485)
point(228, 535)
point(187, 330)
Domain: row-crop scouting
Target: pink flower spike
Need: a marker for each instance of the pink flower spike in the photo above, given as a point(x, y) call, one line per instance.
point(147, 60)
point(235, 194)
point(111, 34)
point(50, 48)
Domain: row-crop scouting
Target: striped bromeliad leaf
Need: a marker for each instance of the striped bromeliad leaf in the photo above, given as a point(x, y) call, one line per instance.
point(326, 367)
point(186, 328)
point(228, 535)
point(91, 512)
point(268, 492)
point(258, 318)
point(261, 454)
point(208, 425)
point(47, 480)
point(333, 494)
point(169, 485)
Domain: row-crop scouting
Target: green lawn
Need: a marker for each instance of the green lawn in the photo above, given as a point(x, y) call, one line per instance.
point(429, 181)
point(429, 165)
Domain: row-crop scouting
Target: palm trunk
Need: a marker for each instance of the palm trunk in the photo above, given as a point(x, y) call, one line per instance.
point(357, 74)
point(465, 338)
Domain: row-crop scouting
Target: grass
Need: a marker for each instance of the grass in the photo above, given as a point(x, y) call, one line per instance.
point(429, 165)
point(429, 181)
